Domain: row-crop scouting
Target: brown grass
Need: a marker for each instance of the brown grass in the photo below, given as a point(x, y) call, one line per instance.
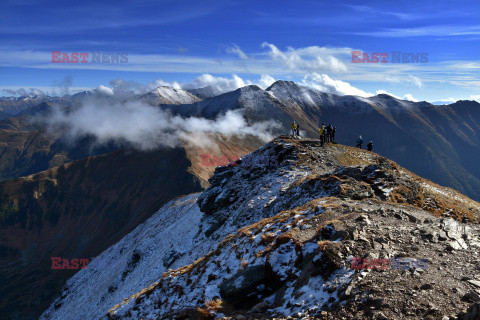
point(322, 245)
point(210, 305)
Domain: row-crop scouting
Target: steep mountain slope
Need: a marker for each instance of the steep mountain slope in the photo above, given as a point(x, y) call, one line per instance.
point(274, 227)
point(168, 95)
point(79, 209)
point(26, 148)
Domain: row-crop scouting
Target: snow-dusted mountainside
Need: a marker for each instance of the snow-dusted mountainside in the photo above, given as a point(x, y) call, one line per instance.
point(276, 231)
point(282, 97)
point(249, 99)
point(205, 92)
point(11, 106)
point(168, 95)
point(309, 99)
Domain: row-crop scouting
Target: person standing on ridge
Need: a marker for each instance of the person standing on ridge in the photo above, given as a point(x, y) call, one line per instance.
point(298, 130)
point(294, 129)
point(333, 134)
point(322, 134)
point(359, 142)
point(370, 146)
point(329, 133)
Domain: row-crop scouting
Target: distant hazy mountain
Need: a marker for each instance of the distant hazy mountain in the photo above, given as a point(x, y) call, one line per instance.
point(11, 106)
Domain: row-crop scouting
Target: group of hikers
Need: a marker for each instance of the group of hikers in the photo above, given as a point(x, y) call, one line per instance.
point(327, 134)
point(360, 142)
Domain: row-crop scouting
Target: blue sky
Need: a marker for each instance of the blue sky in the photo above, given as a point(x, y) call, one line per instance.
point(233, 43)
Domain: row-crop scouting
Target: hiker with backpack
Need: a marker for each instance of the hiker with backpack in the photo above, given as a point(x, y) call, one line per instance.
point(333, 134)
point(359, 142)
point(298, 130)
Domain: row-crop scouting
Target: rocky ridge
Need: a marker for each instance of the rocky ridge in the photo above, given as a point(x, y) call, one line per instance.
point(341, 239)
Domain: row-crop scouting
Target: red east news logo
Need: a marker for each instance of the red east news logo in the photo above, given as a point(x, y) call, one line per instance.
point(59, 263)
point(81, 57)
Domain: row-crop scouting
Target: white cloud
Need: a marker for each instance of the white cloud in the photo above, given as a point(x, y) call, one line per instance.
point(408, 79)
point(431, 31)
point(146, 127)
point(323, 82)
point(407, 96)
point(219, 83)
point(222, 84)
point(103, 90)
point(475, 97)
point(265, 81)
point(310, 59)
point(236, 50)
point(416, 81)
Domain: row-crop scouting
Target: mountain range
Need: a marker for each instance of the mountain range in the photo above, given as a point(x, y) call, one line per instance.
point(441, 143)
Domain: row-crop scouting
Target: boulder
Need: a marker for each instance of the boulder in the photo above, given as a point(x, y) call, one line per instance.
point(244, 287)
point(473, 313)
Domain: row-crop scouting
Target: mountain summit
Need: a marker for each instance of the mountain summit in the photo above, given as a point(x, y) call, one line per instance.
point(168, 95)
point(280, 233)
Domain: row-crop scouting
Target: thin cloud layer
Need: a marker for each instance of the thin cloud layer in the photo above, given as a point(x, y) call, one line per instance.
point(144, 127)
point(310, 59)
point(323, 82)
point(221, 84)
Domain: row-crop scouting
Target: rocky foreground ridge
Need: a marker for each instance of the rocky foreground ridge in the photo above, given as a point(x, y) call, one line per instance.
point(296, 230)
